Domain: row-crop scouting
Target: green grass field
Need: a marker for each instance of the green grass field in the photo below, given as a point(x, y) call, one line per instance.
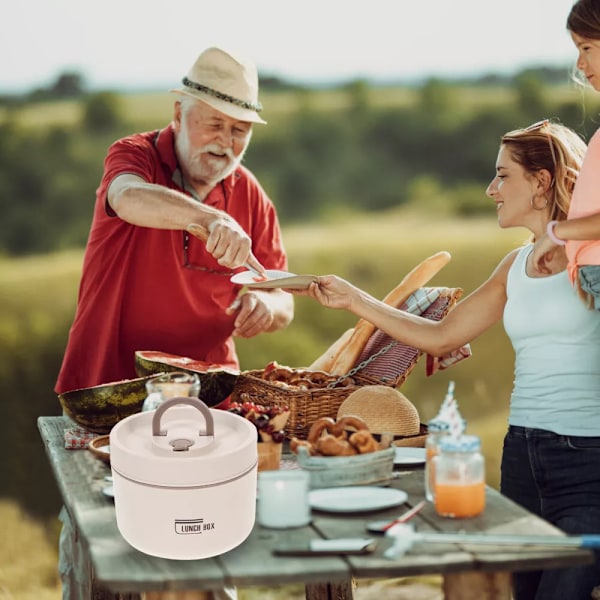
point(375, 252)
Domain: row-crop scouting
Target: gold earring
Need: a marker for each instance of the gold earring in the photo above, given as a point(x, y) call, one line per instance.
point(533, 203)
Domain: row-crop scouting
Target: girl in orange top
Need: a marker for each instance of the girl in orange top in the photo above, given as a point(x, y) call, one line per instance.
point(580, 232)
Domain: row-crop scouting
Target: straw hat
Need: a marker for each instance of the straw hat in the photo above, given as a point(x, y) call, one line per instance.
point(386, 410)
point(226, 82)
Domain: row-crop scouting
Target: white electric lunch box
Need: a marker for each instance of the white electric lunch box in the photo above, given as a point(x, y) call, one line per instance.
point(184, 479)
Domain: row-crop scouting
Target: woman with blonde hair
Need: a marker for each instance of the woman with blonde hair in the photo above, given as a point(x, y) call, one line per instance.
point(552, 446)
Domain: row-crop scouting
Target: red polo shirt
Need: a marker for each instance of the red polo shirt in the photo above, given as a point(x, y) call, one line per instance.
point(135, 293)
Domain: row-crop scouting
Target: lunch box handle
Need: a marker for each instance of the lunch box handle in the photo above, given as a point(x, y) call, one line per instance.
point(158, 413)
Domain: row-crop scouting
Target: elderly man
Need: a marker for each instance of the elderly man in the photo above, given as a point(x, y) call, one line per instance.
point(148, 283)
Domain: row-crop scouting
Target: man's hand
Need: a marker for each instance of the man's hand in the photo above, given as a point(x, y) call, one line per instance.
point(228, 243)
point(254, 315)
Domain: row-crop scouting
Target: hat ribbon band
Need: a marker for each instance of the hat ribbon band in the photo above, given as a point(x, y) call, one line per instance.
point(216, 94)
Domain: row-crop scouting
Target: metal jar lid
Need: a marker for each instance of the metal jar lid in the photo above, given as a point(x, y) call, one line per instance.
point(462, 443)
point(183, 443)
point(438, 425)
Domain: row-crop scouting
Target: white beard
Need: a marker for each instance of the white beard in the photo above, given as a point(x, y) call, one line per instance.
point(200, 165)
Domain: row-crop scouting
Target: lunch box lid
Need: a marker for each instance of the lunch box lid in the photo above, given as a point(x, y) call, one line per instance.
point(183, 443)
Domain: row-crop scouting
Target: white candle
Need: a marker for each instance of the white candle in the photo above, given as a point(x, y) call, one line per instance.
point(283, 498)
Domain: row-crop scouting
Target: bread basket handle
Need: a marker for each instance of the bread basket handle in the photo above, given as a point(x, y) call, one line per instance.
point(195, 402)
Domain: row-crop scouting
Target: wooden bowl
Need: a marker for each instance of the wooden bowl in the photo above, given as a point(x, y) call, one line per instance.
point(100, 448)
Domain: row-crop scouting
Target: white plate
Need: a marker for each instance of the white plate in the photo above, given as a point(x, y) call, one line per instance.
point(108, 491)
point(409, 456)
point(275, 279)
point(359, 498)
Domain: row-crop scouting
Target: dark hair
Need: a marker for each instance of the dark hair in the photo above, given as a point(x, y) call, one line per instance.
point(584, 19)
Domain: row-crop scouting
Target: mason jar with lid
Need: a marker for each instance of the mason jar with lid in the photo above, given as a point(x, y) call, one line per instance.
point(459, 477)
point(437, 429)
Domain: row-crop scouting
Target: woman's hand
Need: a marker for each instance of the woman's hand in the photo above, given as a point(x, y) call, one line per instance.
point(331, 291)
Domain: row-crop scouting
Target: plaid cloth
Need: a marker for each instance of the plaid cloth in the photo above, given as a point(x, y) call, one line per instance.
point(399, 359)
point(439, 363)
point(78, 438)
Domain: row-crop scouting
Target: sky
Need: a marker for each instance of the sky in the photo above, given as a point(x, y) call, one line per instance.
point(137, 44)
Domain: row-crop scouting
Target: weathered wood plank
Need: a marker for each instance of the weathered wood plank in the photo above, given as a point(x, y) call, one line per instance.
point(254, 559)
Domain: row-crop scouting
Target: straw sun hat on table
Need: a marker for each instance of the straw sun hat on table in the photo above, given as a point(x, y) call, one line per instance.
point(386, 410)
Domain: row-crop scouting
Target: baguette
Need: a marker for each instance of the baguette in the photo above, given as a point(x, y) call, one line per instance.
point(325, 361)
point(348, 353)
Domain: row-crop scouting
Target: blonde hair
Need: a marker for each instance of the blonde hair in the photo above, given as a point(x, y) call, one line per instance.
point(555, 148)
point(558, 149)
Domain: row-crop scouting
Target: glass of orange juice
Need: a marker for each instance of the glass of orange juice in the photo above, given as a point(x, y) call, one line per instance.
point(459, 477)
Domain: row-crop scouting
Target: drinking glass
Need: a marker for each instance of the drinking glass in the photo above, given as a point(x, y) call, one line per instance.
point(170, 385)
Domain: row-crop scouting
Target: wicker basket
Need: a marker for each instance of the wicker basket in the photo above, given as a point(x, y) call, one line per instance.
point(306, 405)
point(383, 361)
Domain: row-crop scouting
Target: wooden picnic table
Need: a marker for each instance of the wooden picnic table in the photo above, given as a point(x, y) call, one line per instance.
point(469, 572)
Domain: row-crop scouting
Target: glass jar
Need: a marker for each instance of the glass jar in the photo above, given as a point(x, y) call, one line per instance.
point(437, 429)
point(459, 477)
point(170, 385)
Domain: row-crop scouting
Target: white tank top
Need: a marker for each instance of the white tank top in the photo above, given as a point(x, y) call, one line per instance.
point(557, 353)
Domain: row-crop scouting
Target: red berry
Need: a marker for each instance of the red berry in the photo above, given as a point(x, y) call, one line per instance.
point(278, 436)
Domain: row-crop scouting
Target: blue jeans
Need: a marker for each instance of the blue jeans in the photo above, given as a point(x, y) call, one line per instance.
point(589, 279)
point(556, 477)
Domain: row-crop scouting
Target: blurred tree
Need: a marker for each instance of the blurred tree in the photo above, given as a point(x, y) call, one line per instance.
point(102, 112)
point(470, 200)
point(531, 97)
point(437, 99)
point(426, 194)
point(68, 85)
point(358, 93)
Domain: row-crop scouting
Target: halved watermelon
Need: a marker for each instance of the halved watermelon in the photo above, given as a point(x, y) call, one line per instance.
point(216, 381)
point(99, 408)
